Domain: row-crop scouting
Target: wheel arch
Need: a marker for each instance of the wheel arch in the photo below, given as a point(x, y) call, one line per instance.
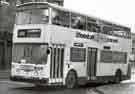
point(118, 76)
point(73, 71)
point(67, 77)
point(118, 71)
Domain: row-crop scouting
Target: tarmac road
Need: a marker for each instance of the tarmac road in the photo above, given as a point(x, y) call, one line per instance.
point(9, 87)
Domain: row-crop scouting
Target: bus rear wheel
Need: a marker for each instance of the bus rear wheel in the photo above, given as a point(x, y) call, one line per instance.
point(118, 76)
point(71, 80)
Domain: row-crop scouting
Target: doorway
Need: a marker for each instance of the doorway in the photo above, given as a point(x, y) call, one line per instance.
point(91, 63)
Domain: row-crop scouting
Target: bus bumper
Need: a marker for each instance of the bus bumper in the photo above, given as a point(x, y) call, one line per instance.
point(29, 80)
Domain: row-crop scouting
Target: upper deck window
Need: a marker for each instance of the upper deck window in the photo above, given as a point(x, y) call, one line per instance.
point(116, 30)
point(61, 18)
point(107, 30)
point(78, 21)
point(92, 25)
point(32, 16)
point(121, 31)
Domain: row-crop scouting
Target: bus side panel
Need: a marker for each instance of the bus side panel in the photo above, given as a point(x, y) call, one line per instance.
point(104, 69)
point(108, 69)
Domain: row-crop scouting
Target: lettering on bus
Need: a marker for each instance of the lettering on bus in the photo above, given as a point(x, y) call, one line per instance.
point(96, 37)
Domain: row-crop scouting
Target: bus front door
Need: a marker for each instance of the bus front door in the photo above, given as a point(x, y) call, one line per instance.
point(56, 65)
point(91, 63)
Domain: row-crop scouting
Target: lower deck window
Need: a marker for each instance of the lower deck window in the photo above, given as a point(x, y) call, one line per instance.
point(77, 54)
point(106, 56)
point(113, 57)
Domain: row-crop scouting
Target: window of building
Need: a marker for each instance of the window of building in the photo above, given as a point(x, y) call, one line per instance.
point(78, 21)
point(61, 18)
point(77, 54)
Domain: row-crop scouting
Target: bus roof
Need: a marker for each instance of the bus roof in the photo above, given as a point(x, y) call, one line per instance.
point(72, 11)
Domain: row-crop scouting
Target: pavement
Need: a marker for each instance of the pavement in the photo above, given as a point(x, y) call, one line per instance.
point(123, 88)
point(4, 74)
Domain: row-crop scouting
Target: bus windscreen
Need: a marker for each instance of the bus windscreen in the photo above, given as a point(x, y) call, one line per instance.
point(32, 16)
point(31, 53)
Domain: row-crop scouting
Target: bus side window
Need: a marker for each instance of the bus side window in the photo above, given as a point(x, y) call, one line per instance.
point(121, 31)
point(107, 30)
point(113, 57)
point(60, 17)
point(77, 54)
point(78, 21)
point(107, 27)
point(92, 25)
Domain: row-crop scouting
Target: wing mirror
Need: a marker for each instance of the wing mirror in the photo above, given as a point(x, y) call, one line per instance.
point(48, 51)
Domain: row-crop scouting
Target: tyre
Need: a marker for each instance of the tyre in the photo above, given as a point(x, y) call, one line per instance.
point(71, 80)
point(118, 77)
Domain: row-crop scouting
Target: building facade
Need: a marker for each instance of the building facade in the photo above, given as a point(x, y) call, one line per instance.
point(6, 28)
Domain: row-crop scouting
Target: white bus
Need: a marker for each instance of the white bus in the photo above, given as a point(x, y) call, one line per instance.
point(55, 46)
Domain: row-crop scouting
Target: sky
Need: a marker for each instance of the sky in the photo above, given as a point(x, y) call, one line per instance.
point(119, 11)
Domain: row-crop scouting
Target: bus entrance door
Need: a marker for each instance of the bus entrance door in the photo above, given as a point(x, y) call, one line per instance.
point(56, 65)
point(91, 63)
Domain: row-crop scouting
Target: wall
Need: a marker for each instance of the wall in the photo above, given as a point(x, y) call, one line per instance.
point(7, 15)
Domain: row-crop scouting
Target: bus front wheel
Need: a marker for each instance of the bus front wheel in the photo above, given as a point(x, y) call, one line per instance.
point(71, 80)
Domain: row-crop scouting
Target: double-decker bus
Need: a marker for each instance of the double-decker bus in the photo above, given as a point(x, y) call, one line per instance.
point(56, 46)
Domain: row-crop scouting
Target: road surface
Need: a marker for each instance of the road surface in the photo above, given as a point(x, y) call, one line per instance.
point(9, 87)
